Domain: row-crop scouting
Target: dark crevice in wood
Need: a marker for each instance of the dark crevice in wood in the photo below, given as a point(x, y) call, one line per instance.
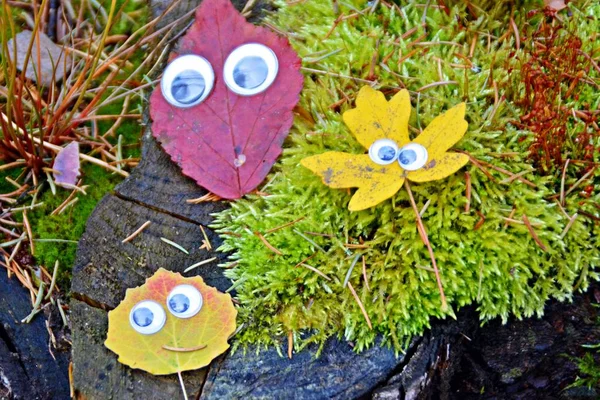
point(90, 302)
point(157, 209)
point(7, 340)
point(408, 356)
point(10, 346)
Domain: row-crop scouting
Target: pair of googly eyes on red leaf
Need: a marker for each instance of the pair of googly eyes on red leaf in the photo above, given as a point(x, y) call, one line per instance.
point(411, 157)
point(249, 69)
point(148, 316)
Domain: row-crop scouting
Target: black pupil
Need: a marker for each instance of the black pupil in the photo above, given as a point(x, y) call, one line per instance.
point(250, 72)
point(188, 86)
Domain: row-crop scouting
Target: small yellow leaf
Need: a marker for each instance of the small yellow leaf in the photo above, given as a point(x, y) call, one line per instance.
point(444, 131)
point(439, 168)
point(376, 183)
point(374, 118)
point(183, 343)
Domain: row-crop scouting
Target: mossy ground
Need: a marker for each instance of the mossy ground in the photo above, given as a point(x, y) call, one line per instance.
point(485, 252)
point(55, 236)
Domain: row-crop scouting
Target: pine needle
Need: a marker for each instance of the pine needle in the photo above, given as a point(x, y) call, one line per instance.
point(360, 304)
point(176, 245)
point(349, 273)
point(315, 270)
point(269, 245)
point(533, 234)
point(137, 232)
point(205, 243)
point(425, 239)
point(364, 270)
point(191, 267)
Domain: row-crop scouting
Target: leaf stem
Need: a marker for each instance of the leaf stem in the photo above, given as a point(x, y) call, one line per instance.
point(426, 241)
point(185, 396)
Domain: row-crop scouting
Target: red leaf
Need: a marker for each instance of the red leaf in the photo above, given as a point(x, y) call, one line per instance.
point(209, 141)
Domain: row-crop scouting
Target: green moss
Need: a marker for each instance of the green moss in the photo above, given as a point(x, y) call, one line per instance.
point(70, 224)
point(483, 258)
point(589, 371)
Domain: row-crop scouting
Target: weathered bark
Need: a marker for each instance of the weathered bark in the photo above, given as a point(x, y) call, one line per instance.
point(528, 359)
point(27, 368)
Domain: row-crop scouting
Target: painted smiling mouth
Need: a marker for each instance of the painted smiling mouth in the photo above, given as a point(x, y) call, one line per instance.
point(184, 349)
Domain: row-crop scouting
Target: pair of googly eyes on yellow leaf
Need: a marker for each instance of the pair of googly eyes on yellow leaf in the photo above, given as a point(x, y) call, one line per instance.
point(249, 69)
point(148, 316)
point(411, 157)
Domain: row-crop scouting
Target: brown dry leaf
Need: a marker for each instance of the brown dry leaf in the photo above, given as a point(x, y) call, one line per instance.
point(51, 57)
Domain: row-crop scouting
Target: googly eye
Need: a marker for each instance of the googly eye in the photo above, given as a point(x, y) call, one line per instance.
point(184, 301)
point(187, 81)
point(383, 151)
point(147, 317)
point(412, 156)
point(250, 69)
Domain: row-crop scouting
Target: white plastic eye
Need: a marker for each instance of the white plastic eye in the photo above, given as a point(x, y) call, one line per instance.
point(250, 69)
point(184, 301)
point(187, 81)
point(383, 151)
point(147, 317)
point(412, 156)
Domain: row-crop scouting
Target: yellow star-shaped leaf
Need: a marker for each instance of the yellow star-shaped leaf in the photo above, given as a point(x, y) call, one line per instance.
point(382, 127)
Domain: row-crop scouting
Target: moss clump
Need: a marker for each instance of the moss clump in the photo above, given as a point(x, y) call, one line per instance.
point(485, 252)
point(68, 226)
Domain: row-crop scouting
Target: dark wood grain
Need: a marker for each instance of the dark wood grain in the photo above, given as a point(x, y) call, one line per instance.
point(27, 368)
